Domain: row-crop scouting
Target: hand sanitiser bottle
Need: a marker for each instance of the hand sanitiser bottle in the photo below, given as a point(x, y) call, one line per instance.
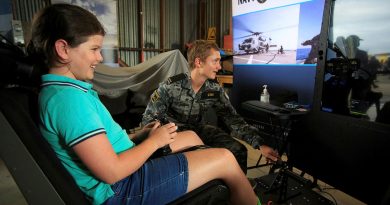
point(264, 95)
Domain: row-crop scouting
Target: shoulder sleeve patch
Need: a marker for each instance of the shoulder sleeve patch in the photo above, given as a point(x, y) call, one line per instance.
point(175, 78)
point(155, 96)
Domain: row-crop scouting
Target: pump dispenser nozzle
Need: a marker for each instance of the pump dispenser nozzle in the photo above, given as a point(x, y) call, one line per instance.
point(264, 95)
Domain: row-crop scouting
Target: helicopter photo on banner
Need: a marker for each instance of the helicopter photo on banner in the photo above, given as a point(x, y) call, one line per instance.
point(276, 32)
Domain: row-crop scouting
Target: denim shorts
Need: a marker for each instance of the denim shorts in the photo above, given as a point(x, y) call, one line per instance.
point(158, 181)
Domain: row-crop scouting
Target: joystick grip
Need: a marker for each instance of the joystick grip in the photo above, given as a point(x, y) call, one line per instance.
point(163, 120)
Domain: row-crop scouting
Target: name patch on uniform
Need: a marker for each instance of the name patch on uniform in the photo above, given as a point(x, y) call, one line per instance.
point(155, 96)
point(210, 94)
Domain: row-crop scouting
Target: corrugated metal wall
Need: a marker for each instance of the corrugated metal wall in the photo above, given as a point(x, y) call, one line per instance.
point(190, 19)
point(129, 14)
point(24, 10)
point(171, 24)
point(226, 17)
point(219, 12)
point(151, 27)
point(128, 23)
point(129, 34)
point(211, 16)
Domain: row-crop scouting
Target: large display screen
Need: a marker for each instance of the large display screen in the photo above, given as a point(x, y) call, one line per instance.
point(356, 78)
point(276, 32)
point(349, 123)
point(275, 43)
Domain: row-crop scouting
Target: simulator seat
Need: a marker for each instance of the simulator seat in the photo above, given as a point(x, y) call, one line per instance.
point(37, 171)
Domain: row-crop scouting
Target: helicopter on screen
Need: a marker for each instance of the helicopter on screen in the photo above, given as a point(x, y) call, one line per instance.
point(256, 42)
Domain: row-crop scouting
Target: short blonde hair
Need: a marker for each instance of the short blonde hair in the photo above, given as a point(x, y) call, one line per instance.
point(200, 49)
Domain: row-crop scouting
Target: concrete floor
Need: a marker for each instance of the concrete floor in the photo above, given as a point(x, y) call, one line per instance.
point(9, 191)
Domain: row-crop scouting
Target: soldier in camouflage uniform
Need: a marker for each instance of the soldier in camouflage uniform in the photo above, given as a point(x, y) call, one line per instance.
point(184, 99)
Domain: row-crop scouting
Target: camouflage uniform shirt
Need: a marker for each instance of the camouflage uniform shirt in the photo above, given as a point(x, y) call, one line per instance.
point(176, 100)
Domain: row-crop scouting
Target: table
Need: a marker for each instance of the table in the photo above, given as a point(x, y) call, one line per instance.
point(224, 79)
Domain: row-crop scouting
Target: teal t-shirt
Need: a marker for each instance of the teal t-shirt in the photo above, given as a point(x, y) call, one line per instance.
point(70, 112)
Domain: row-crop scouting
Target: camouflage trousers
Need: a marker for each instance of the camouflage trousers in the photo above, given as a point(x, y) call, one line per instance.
point(216, 137)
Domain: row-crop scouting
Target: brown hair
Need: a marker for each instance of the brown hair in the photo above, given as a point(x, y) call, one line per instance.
point(60, 21)
point(200, 49)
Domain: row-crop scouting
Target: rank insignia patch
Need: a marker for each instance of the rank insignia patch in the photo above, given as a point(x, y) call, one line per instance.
point(155, 96)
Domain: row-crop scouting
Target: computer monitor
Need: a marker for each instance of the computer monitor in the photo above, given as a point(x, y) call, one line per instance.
point(345, 139)
point(275, 43)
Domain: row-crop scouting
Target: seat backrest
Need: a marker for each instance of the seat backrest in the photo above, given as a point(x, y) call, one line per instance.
point(30, 156)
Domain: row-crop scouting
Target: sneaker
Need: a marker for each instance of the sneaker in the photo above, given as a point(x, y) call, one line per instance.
point(253, 183)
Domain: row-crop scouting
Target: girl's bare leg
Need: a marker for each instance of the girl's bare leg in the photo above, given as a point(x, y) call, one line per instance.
point(218, 163)
point(185, 140)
